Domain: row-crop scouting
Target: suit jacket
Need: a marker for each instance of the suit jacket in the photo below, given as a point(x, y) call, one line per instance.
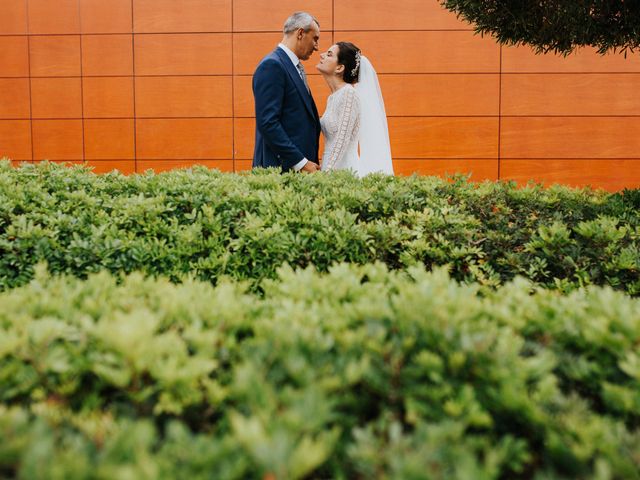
point(287, 122)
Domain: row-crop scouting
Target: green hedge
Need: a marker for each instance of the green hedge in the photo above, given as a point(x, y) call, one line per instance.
point(359, 373)
point(208, 225)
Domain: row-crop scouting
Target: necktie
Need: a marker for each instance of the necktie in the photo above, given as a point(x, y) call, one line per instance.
point(303, 76)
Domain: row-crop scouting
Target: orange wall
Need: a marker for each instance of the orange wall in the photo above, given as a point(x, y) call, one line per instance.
point(138, 84)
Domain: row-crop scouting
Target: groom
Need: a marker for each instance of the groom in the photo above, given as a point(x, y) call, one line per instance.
point(287, 123)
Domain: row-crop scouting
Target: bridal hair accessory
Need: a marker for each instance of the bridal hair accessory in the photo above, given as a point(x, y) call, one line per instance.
point(354, 72)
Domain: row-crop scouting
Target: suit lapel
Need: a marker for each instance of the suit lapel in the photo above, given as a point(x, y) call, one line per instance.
point(297, 81)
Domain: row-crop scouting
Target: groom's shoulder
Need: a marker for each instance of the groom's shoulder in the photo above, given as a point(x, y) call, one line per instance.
point(271, 57)
point(270, 62)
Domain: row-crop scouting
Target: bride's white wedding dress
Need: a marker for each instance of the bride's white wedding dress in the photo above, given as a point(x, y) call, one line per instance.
point(355, 117)
point(340, 127)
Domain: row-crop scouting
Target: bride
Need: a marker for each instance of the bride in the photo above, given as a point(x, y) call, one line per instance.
point(355, 114)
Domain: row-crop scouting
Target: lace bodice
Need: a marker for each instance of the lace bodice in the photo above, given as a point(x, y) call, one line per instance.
point(340, 125)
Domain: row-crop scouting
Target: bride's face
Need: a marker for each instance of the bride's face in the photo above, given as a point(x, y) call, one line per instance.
point(329, 62)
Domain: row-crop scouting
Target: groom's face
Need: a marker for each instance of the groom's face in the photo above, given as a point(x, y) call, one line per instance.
point(308, 41)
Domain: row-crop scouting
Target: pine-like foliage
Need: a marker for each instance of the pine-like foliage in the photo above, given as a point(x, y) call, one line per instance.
point(555, 25)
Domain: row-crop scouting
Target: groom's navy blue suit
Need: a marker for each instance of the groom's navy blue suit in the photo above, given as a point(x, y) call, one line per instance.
point(287, 123)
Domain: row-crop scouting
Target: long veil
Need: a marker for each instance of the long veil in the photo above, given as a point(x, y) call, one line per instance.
point(375, 149)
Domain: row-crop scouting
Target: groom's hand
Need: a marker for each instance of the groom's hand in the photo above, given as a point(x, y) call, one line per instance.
point(310, 167)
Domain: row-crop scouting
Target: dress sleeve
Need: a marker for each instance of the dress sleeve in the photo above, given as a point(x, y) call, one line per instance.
point(348, 123)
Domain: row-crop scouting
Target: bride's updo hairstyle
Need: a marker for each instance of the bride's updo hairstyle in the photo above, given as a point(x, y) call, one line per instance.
point(349, 56)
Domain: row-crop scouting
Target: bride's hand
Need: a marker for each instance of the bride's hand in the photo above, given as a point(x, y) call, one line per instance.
point(310, 167)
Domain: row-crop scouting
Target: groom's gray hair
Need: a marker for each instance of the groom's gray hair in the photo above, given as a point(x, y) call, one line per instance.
point(298, 20)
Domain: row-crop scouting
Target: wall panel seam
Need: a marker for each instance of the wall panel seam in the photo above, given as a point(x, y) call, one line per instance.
point(125, 76)
point(499, 110)
point(133, 79)
point(586, 159)
point(84, 153)
point(233, 96)
point(571, 116)
point(30, 95)
point(563, 115)
point(414, 30)
point(559, 72)
point(333, 22)
point(127, 118)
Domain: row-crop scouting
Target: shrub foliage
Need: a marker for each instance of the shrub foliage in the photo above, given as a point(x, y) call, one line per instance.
point(209, 225)
point(359, 373)
point(315, 327)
